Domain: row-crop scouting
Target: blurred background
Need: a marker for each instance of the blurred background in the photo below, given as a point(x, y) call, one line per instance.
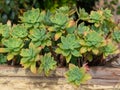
point(12, 9)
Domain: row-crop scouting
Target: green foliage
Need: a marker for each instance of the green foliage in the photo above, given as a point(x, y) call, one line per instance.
point(83, 14)
point(92, 42)
point(116, 36)
point(76, 75)
point(53, 4)
point(69, 46)
point(31, 18)
point(39, 37)
point(47, 64)
point(110, 49)
point(61, 22)
point(12, 9)
point(19, 31)
point(43, 36)
point(13, 45)
point(3, 59)
point(5, 30)
point(82, 29)
point(29, 58)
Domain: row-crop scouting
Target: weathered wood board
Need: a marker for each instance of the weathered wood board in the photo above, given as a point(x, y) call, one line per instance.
point(13, 78)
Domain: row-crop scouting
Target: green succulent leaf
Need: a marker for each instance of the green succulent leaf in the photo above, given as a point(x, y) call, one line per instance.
point(110, 49)
point(47, 64)
point(63, 52)
point(13, 44)
point(33, 67)
point(4, 50)
point(96, 17)
point(19, 31)
point(3, 59)
point(58, 35)
point(69, 46)
point(59, 19)
point(40, 37)
point(94, 40)
point(68, 58)
point(31, 16)
point(10, 56)
point(13, 47)
point(29, 58)
point(76, 75)
point(95, 51)
point(107, 13)
point(83, 50)
point(76, 53)
point(71, 29)
point(5, 30)
point(83, 14)
point(64, 10)
point(116, 36)
point(82, 29)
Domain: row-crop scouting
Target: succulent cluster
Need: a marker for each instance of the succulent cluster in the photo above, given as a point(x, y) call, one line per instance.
point(42, 36)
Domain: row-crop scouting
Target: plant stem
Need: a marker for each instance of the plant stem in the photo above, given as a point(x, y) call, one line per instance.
point(53, 53)
point(79, 63)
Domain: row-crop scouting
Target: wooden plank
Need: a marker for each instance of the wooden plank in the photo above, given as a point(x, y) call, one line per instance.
point(105, 73)
point(100, 75)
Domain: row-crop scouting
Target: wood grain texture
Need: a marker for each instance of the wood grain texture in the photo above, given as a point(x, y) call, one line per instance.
point(100, 75)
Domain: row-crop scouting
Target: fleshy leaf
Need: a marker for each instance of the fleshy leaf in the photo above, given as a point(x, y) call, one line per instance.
point(76, 75)
point(83, 50)
point(110, 49)
point(33, 67)
point(95, 51)
point(19, 31)
point(10, 57)
point(116, 36)
point(58, 35)
point(30, 57)
point(32, 18)
point(47, 64)
point(5, 30)
point(69, 46)
point(39, 37)
point(68, 58)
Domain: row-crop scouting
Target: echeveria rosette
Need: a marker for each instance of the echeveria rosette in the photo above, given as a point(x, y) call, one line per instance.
point(110, 49)
point(5, 30)
point(13, 46)
point(107, 14)
point(82, 29)
point(29, 58)
point(76, 75)
point(83, 15)
point(32, 18)
point(19, 31)
point(40, 37)
point(96, 17)
point(116, 36)
point(63, 9)
point(93, 41)
point(59, 19)
point(69, 46)
point(59, 22)
point(47, 64)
